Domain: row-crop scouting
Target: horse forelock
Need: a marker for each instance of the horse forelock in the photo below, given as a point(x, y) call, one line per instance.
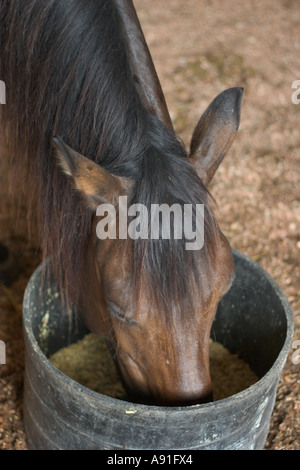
point(171, 274)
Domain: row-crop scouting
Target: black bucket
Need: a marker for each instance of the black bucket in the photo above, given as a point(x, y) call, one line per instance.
point(254, 320)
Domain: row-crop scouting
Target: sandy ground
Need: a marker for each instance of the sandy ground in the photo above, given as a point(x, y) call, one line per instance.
point(199, 49)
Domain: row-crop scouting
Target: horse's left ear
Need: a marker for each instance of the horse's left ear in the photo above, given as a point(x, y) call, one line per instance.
point(215, 132)
point(96, 185)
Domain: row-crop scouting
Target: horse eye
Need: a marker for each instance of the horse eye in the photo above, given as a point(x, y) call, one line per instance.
point(118, 313)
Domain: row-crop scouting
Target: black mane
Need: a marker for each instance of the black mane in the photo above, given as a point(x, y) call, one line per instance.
point(67, 72)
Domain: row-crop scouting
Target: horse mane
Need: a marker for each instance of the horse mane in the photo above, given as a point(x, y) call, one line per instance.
point(67, 72)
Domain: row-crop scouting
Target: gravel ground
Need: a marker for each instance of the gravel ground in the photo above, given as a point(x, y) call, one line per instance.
point(200, 49)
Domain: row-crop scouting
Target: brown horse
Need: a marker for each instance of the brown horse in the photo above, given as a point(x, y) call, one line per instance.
point(81, 70)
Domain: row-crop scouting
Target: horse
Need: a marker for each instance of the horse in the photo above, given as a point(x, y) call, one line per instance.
point(86, 122)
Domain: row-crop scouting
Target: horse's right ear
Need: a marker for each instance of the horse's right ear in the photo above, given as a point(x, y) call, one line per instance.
point(215, 132)
point(97, 185)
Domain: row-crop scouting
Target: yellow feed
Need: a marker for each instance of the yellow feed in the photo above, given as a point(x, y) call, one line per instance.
point(89, 363)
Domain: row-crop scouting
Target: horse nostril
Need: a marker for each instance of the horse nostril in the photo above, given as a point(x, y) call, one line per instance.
point(133, 377)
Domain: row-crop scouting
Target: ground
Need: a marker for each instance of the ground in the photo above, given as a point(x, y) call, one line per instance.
point(201, 48)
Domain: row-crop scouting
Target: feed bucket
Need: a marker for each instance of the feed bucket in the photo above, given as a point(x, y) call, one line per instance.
point(253, 320)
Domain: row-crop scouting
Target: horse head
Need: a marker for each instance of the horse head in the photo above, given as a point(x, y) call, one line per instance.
point(162, 359)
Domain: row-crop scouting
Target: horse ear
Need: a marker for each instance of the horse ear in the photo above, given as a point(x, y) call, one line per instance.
point(96, 185)
point(215, 132)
